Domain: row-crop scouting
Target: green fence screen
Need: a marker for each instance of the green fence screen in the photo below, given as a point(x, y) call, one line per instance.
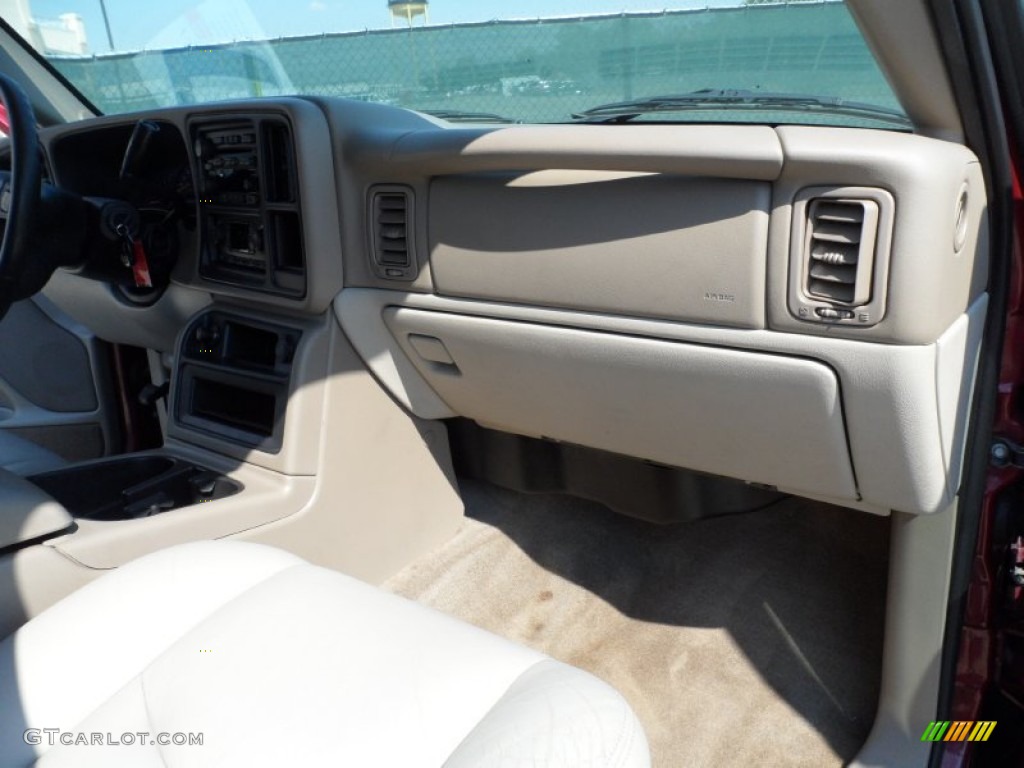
point(530, 70)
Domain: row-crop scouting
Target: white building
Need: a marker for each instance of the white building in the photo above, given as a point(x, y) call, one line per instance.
point(65, 34)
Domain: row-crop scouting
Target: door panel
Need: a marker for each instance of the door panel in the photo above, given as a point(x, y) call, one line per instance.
point(55, 386)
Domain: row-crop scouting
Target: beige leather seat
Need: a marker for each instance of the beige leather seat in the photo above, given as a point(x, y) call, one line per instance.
point(280, 663)
point(22, 457)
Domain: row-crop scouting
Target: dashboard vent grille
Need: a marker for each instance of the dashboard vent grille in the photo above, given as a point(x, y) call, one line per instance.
point(840, 250)
point(279, 170)
point(392, 228)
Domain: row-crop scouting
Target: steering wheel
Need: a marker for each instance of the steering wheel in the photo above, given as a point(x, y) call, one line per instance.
point(19, 199)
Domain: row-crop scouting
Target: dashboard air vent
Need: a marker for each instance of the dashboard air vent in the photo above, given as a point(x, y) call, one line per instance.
point(279, 170)
point(391, 226)
point(840, 250)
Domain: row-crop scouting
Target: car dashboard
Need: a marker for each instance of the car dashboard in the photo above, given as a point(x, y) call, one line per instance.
point(677, 320)
point(794, 307)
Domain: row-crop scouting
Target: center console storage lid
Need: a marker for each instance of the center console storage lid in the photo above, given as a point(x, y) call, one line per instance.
point(28, 514)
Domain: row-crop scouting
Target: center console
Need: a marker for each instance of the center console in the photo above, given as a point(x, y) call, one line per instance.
point(233, 379)
point(244, 345)
point(133, 487)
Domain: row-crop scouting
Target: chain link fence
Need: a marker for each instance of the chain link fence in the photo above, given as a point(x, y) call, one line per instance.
point(532, 71)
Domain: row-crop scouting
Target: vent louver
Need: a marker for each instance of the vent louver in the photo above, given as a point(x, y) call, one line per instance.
point(841, 249)
point(279, 162)
point(391, 212)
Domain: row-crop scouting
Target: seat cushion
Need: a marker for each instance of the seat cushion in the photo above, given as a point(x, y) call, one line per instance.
point(278, 662)
point(23, 457)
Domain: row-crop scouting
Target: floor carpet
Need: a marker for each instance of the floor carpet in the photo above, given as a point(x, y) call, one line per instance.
point(746, 640)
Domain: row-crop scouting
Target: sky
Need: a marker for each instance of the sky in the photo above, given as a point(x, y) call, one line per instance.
point(143, 24)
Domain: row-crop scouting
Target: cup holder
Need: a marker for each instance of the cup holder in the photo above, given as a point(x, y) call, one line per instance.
point(133, 487)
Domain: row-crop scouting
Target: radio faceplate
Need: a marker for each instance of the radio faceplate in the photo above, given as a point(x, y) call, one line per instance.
point(228, 165)
point(249, 208)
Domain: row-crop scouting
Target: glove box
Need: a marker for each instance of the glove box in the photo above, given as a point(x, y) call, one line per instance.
point(765, 418)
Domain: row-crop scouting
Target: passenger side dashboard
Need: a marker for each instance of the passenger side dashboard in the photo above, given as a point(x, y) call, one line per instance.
point(798, 307)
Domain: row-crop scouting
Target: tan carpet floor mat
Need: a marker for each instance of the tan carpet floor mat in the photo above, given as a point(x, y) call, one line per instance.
point(745, 640)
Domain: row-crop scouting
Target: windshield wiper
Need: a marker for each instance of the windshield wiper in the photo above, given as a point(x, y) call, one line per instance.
point(715, 99)
point(462, 116)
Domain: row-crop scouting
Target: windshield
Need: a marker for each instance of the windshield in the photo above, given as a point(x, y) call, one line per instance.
point(472, 60)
